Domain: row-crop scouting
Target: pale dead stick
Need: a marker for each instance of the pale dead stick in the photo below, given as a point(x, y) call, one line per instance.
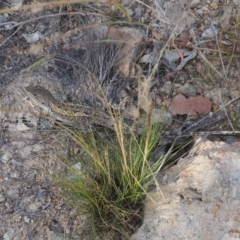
point(15, 24)
point(2, 43)
point(224, 108)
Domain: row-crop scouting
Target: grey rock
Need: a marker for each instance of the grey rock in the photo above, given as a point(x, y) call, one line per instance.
point(6, 157)
point(13, 192)
point(26, 219)
point(194, 3)
point(188, 90)
point(211, 32)
point(138, 12)
point(24, 152)
point(33, 37)
point(8, 235)
point(16, 4)
point(56, 236)
point(130, 12)
point(202, 196)
point(237, 2)
point(199, 12)
point(33, 207)
point(2, 198)
point(15, 175)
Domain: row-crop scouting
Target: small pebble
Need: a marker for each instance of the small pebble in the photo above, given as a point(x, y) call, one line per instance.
point(138, 11)
point(130, 12)
point(237, 2)
point(214, 6)
point(199, 12)
point(7, 156)
point(194, 3)
point(26, 219)
point(2, 198)
point(205, 8)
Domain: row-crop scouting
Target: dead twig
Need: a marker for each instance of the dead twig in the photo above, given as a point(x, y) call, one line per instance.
point(2, 43)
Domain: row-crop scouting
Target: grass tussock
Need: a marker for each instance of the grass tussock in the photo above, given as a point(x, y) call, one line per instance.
point(114, 178)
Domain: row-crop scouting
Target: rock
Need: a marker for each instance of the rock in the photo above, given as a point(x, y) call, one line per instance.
point(205, 8)
point(78, 166)
point(138, 12)
point(13, 193)
point(8, 235)
point(199, 12)
point(28, 135)
point(130, 12)
point(22, 127)
point(56, 236)
point(202, 196)
point(211, 32)
point(15, 175)
point(214, 6)
point(160, 116)
point(18, 144)
point(2, 198)
point(33, 37)
point(26, 219)
point(16, 4)
point(33, 207)
point(194, 3)
point(6, 156)
point(188, 90)
point(226, 16)
point(24, 152)
point(37, 147)
point(236, 2)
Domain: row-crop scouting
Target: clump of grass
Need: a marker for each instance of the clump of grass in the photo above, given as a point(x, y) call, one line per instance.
point(114, 178)
point(234, 116)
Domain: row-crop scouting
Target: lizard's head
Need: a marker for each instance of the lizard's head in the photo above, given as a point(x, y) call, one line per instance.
point(35, 89)
point(42, 94)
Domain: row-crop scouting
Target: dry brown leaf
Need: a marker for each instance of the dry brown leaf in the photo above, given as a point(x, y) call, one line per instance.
point(190, 106)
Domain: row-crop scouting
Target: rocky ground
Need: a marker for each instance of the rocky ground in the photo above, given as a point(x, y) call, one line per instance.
point(198, 83)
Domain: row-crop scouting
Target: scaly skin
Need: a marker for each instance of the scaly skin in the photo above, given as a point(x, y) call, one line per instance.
point(45, 100)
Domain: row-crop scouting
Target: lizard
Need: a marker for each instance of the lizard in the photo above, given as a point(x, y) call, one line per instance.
point(44, 99)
